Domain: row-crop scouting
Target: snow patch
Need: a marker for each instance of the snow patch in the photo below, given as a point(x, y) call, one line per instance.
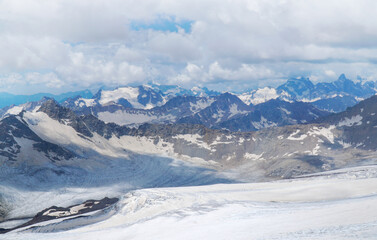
point(200, 105)
point(234, 110)
point(81, 102)
point(285, 110)
point(194, 139)
point(299, 138)
point(263, 123)
point(354, 120)
point(254, 157)
point(324, 132)
point(14, 110)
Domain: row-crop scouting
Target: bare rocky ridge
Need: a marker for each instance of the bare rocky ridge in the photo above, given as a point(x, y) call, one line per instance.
point(278, 152)
point(13, 128)
point(269, 153)
point(225, 111)
point(65, 212)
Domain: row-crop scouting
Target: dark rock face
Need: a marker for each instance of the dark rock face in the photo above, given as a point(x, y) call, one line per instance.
point(335, 104)
point(55, 111)
point(147, 95)
point(9, 148)
point(59, 212)
point(223, 111)
point(285, 113)
point(359, 123)
point(3, 209)
point(62, 114)
point(274, 112)
point(124, 103)
point(14, 127)
point(220, 110)
point(58, 151)
point(181, 106)
point(296, 88)
point(63, 212)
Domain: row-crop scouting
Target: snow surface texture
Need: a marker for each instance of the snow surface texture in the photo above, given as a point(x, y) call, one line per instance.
point(335, 205)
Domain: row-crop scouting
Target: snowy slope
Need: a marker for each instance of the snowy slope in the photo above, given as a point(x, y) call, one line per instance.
point(339, 206)
point(142, 97)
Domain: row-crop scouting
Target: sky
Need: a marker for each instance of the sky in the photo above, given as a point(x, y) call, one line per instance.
point(62, 45)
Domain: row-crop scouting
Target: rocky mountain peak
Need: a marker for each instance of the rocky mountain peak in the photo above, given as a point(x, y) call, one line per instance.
point(342, 78)
point(228, 98)
point(55, 111)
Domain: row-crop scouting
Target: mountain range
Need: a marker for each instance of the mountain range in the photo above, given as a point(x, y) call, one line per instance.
point(7, 99)
point(53, 152)
point(56, 135)
point(295, 102)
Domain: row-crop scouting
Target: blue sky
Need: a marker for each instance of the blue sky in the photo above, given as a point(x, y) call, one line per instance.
point(164, 24)
point(63, 45)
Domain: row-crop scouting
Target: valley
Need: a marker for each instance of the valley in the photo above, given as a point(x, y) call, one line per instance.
point(190, 173)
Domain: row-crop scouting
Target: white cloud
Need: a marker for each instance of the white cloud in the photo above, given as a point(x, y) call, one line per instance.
point(330, 73)
point(90, 42)
point(51, 80)
point(88, 71)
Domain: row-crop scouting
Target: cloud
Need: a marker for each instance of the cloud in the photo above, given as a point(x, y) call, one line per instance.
point(63, 44)
point(246, 72)
point(92, 70)
point(330, 73)
point(163, 23)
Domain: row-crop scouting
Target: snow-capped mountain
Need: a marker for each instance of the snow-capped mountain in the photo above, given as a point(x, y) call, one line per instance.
point(329, 96)
point(173, 109)
point(132, 106)
point(274, 112)
point(260, 95)
point(7, 99)
point(15, 110)
point(142, 97)
point(146, 103)
point(59, 130)
point(298, 88)
point(211, 112)
point(336, 104)
point(223, 108)
point(303, 89)
point(359, 123)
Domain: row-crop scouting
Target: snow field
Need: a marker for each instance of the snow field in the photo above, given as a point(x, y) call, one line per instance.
point(309, 208)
